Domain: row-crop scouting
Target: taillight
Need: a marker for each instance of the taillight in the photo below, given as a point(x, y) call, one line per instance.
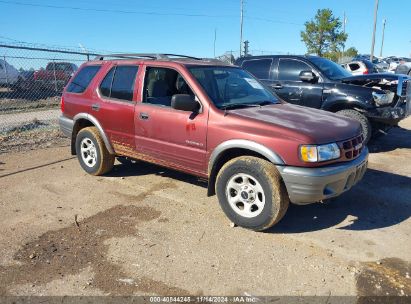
point(365, 72)
point(62, 104)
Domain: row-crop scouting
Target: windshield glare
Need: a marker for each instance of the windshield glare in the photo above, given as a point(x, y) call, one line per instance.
point(229, 86)
point(330, 69)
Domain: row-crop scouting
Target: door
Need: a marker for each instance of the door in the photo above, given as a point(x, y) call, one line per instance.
point(260, 68)
point(114, 107)
point(174, 137)
point(289, 87)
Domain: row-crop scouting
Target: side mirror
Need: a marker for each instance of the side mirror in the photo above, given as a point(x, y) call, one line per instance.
point(307, 76)
point(184, 102)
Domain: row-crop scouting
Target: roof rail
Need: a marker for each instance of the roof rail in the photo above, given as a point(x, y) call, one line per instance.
point(153, 56)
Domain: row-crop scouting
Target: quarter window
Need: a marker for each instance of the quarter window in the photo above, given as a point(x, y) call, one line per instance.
point(260, 68)
point(119, 83)
point(290, 69)
point(105, 86)
point(83, 78)
point(354, 66)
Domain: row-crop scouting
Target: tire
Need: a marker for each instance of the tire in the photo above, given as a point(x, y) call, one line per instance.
point(259, 198)
point(92, 152)
point(365, 123)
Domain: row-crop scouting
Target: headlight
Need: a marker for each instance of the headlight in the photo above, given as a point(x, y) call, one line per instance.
point(382, 98)
point(312, 154)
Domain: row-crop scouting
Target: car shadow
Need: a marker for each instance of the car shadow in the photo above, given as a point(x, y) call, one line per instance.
point(141, 168)
point(397, 138)
point(380, 200)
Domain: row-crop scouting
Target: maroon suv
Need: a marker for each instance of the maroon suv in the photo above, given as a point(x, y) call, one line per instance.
point(215, 121)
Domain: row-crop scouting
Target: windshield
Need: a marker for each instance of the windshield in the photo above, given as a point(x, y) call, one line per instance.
point(230, 87)
point(330, 69)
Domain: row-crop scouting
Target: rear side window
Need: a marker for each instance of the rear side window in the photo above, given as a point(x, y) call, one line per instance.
point(290, 69)
point(83, 78)
point(119, 83)
point(260, 68)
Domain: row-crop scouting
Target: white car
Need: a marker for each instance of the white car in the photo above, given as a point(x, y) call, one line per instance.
point(360, 67)
point(9, 75)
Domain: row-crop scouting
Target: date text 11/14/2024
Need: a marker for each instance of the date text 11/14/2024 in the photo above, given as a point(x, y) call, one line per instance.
point(203, 299)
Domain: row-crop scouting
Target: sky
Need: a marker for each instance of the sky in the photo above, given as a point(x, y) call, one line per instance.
point(188, 27)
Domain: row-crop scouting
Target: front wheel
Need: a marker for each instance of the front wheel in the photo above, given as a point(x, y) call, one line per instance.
point(92, 153)
point(365, 123)
point(251, 193)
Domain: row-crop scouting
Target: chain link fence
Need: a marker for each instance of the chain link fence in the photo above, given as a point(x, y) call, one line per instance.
point(31, 82)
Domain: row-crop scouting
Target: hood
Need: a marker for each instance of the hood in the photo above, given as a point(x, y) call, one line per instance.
point(316, 126)
point(359, 79)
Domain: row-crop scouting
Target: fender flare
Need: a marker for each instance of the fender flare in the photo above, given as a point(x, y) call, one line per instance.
point(243, 144)
point(100, 129)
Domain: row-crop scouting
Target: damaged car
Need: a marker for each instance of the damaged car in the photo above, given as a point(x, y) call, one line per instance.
point(377, 101)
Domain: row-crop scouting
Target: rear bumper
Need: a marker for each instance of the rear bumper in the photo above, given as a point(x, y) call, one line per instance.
point(309, 185)
point(66, 125)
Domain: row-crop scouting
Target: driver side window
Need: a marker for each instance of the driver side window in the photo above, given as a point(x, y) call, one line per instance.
point(289, 69)
point(161, 84)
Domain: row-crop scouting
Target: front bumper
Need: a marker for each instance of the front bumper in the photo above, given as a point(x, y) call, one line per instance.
point(309, 185)
point(66, 125)
point(391, 115)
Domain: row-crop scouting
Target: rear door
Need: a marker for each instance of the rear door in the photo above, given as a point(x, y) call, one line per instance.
point(289, 87)
point(115, 103)
point(261, 68)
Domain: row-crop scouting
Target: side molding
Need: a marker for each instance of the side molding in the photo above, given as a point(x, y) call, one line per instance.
point(95, 122)
point(244, 144)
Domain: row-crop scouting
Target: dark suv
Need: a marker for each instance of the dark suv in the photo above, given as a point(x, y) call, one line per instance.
point(215, 121)
point(377, 101)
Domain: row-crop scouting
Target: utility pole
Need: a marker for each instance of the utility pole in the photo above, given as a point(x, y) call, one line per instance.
point(375, 27)
point(241, 26)
point(215, 39)
point(382, 41)
point(343, 47)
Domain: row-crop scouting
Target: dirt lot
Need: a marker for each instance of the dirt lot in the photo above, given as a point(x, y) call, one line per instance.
point(147, 230)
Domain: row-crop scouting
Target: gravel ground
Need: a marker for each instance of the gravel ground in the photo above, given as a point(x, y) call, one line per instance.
point(15, 120)
point(144, 229)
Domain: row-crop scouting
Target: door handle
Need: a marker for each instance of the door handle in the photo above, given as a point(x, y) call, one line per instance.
point(95, 107)
point(277, 86)
point(144, 116)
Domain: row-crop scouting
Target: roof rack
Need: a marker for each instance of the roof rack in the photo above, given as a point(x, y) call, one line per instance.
point(153, 56)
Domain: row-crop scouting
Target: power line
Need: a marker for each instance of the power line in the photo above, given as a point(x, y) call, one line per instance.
point(272, 20)
point(100, 10)
point(113, 10)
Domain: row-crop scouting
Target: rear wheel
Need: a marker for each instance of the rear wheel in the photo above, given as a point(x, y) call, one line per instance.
point(365, 123)
point(92, 153)
point(251, 193)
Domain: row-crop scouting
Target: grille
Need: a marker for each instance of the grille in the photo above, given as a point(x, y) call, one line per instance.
point(352, 148)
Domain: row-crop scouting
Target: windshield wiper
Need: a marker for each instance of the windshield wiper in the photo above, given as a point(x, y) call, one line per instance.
point(239, 105)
